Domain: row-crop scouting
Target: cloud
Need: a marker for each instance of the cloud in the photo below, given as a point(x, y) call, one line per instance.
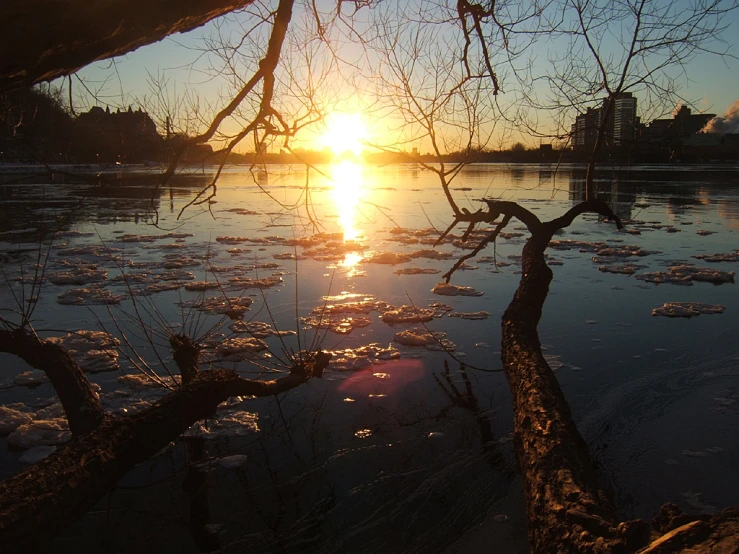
point(727, 123)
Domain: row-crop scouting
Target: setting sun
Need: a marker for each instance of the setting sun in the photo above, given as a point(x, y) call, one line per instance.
point(345, 133)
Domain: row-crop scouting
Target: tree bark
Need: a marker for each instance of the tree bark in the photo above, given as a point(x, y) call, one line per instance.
point(41, 40)
point(80, 401)
point(566, 509)
point(43, 499)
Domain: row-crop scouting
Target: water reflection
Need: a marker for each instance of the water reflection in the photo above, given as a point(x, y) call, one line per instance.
point(348, 184)
point(348, 181)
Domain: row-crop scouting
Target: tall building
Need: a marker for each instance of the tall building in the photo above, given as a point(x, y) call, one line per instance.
point(625, 122)
point(619, 130)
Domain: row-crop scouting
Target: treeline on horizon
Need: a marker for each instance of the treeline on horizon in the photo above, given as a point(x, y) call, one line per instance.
point(37, 127)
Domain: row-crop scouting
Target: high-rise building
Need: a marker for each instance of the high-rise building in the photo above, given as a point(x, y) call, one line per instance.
point(619, 130)
point(625, 122)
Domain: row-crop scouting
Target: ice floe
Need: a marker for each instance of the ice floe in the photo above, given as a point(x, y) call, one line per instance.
point(248, 283)
point(258, 329)
point(417, 271)
point(11, 419)
point(421, 337)
point(78, 276)
point(470, 315)
point(408, 314)
point(233, 423)
point(714, 258)
point(221, 305)
point(48, 432)
point(92, 351)
point(623, 269)
point(386, 258)
point(686, 274)
point(687, 309)
point(201, 286)
point(88, 296)
point(240, 348)
point(447, 289)
point(31, 378)
point(353, 359)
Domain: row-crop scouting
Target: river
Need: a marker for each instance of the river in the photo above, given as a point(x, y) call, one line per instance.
point(397, 447)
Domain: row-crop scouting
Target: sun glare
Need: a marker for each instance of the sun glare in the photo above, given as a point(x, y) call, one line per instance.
point(347, 180)
point(345, 133)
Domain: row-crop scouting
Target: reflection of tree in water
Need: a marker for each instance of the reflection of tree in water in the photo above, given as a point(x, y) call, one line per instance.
point(400, 488)
point(57, 203)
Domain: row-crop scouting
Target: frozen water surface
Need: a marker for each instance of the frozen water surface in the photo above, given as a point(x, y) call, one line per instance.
point(656, 398)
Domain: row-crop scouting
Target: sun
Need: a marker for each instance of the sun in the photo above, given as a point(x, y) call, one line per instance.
point(345, 133)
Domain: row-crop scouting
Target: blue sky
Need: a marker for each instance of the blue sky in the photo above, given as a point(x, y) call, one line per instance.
point(712, 82)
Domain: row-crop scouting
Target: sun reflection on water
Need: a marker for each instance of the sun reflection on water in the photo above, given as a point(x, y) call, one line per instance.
point(348, 183)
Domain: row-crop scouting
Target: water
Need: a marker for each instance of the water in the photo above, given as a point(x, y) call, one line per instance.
point(403, 455)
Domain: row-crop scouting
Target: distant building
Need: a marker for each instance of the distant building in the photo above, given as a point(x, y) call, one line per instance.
point(673, 131)
point(620, 130)
point(625, 122)
point(120, 136)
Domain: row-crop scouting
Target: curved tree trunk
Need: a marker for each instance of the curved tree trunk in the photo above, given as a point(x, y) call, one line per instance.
point(43, 499)
point(566, 509)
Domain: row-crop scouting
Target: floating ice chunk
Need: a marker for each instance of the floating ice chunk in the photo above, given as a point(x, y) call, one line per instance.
point(624, 269)
point(431, 254)
point(242, 211)
point(139, 381)
point(353, 359)
point(36, 454)
point(176, 261)
point(248, 283)
point(31, 378)
point(88, 251)
point(93, 351)
point(231, 240)
point(447, 289)
point(89, 296)
point(240, 347)
point(258, 329)
point(417, 271)
point(417, 337)
point(52, 411)
point(201, 286)
point(554, 361)
point(387, 258)
point(471, 315)
point(408, 314)
point(713, 258)
point(230, 424)
point(232, 307)
point(687, 309)
point(11, 419)
point(47, 432)
point(78, 276)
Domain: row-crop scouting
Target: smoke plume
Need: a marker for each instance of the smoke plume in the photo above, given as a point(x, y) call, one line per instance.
point(727, 123)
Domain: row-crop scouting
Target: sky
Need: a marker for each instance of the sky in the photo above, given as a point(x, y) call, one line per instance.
point(711, 82)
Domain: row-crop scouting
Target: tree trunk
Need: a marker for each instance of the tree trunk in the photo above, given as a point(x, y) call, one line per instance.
point(566, 510)
point(41, 40)
point(43, 499)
